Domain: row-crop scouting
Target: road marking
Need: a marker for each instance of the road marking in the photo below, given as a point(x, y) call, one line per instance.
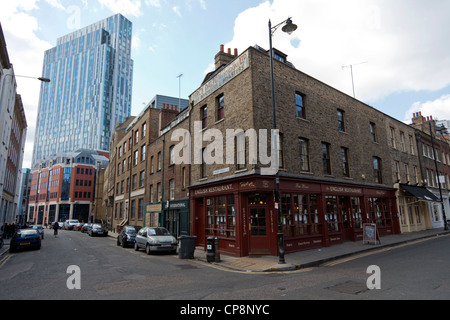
point(362, 255)
point(4, 260)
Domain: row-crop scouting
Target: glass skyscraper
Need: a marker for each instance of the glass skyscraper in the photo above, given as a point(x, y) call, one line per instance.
point(91, 74)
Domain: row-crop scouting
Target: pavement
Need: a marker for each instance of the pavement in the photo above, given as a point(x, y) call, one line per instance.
point(303, 259)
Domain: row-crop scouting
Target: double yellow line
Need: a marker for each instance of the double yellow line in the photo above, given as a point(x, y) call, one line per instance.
point(4, 260)
point(353, 257)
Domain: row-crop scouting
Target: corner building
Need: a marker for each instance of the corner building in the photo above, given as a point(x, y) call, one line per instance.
point(335, 166)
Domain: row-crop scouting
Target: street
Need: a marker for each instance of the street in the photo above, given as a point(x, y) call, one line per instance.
point(106, 272)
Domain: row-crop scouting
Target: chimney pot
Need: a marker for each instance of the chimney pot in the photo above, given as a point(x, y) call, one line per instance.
point(431, 117)
point(221, 48)
point(235, 52)
point(229, 51)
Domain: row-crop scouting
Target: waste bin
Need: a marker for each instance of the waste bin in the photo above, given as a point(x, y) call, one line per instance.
point(187, 247)
point(212, 247)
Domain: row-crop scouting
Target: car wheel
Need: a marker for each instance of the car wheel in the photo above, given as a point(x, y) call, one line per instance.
point(136, 247)
point(118, 242)
point(124, 244)
point(147, 249)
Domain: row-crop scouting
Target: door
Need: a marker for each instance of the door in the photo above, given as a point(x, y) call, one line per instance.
point(345, 209)
point(259, 232)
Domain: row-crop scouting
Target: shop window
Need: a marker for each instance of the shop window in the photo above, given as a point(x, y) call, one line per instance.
point(331, 215)
point(356, 213)
point(221, 216)
point(304, 219)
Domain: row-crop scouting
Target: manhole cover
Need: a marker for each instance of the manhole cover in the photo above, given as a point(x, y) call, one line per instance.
point(349, 287)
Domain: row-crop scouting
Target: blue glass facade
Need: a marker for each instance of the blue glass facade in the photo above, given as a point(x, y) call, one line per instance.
point(91, 74)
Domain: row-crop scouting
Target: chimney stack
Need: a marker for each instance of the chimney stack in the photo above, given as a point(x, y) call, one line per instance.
point(223, 57)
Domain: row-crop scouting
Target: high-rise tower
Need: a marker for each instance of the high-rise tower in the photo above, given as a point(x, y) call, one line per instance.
point(91, 74)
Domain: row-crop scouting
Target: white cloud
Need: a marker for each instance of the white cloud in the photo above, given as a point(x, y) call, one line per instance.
point(404, 42)
point(439, 108)
point(26, 53)
point(176, 9)
point(153, 3)
point(125, 7)
point(56, 4)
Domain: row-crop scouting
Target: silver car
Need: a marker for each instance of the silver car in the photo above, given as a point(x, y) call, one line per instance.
point(155, 239)
point(69, 224)
point(40, 230)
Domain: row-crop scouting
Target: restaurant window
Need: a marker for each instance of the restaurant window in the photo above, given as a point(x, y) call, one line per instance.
point(331, 215)
point(304, 154)
point(299, 105)
point(300, 215)
point(356, 212)
point(326, 161)
point(221, 216)
point(220, 103)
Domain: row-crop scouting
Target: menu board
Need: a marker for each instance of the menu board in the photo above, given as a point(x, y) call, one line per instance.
point(370, 233)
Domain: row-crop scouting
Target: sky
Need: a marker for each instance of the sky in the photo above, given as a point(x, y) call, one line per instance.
point(399, 50)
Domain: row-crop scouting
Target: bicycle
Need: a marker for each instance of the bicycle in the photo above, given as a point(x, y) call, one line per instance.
point(55, 232)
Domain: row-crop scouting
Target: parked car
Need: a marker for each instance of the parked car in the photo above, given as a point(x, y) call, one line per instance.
point(25, 238)
point(69, 224)
point(40, 230)
point(86, 227)
point(78, 226)
point(127, 236)
point(97, 230)
point(155, 239)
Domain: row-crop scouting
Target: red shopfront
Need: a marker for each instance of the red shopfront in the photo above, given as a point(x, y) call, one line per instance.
point(314, 214)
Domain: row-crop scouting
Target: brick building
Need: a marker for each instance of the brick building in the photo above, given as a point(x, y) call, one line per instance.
point(335, 162)
point(63, 186)
point(129, 180)
point(432, 145)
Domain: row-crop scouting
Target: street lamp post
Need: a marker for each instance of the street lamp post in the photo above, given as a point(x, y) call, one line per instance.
point(438, 179)
point(289, 27)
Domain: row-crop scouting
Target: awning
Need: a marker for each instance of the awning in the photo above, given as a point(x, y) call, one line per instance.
point(421, 193)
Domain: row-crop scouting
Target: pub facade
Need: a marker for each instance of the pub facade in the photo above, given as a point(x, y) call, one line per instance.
point(333, 156)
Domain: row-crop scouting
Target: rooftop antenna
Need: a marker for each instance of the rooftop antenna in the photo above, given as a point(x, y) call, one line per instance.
point(179, 90)
point(351, 70)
